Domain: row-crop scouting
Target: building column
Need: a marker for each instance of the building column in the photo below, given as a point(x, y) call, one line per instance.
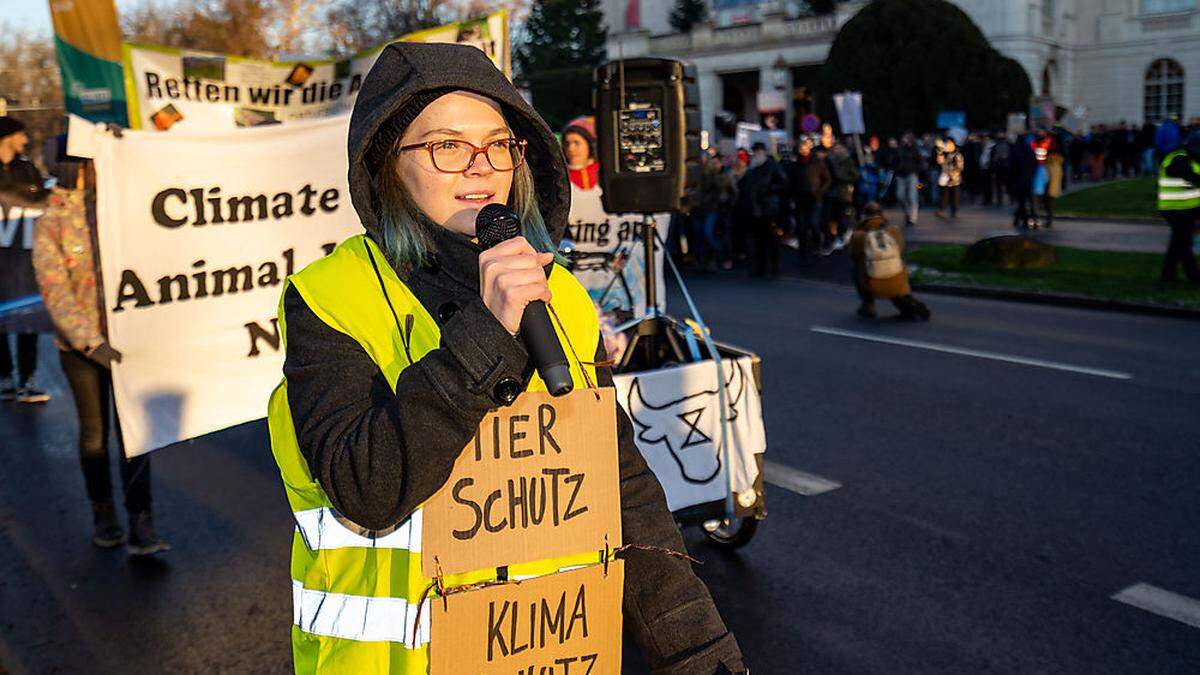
point(711, 97)
point(789, 97)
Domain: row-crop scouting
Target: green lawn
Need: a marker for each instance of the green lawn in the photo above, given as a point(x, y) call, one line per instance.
point(1133, 198)
point(1130, 277)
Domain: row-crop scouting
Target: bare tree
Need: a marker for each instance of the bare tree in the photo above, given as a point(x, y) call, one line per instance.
point(297, 25)
point(266, 29)
point(31, 85)
point(357, 25)
point(237, 27)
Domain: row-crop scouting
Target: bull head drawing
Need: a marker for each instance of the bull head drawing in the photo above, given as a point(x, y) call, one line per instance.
point(682, 424)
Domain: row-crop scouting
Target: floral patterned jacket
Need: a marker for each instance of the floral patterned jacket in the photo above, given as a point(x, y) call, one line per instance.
point(65, 267)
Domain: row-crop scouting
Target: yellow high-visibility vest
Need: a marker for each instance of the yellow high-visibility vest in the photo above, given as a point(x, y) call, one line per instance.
point(355, 594)
point(1176, 194)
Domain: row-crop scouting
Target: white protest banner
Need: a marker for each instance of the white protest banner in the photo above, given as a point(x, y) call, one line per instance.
point(676, 415)
point(612, 266)
point(197, 232)
point(850, 112)
point(16, 249)
point(21, 309)
point(168, 88)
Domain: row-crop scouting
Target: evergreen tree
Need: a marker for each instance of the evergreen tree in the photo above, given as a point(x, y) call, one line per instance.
point(564, 42)
point(914, 58)
point(688, 13)
point(821, 6)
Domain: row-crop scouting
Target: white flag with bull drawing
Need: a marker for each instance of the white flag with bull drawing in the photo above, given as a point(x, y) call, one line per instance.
point(676, 415)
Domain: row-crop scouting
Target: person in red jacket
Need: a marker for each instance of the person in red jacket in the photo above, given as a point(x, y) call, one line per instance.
point(579, 146)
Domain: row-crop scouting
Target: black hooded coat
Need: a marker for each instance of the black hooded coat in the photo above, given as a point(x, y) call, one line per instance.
point(379, 454)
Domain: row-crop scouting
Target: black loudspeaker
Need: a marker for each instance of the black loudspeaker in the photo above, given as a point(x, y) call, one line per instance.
point(648, 134)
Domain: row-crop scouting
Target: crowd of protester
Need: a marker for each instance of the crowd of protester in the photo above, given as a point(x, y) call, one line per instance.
point(750, 203)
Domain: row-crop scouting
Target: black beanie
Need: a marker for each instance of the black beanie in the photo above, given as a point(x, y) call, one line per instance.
point(389, 132)
point(10, 126)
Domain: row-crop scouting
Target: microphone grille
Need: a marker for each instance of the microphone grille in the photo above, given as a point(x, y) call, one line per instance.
point(496, 223)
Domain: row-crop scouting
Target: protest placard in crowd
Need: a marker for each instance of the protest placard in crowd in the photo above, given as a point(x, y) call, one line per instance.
point(197, 232)
point(177, 89)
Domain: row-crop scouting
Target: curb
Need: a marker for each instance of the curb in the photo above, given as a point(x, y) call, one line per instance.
point(1127, 220)
point(1063, 300)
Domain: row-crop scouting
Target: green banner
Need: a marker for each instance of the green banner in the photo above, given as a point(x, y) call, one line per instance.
point(93, 88)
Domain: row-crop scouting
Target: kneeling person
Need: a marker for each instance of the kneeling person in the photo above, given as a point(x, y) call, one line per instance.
point(877, 250)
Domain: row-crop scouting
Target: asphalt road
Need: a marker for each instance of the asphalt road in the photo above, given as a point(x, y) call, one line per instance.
point(989, 507)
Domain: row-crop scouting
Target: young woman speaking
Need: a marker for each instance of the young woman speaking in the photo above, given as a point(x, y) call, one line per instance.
point(403, 339)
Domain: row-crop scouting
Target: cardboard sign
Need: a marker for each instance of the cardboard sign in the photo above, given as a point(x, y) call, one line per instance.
point(539, 480)
point(560, 624)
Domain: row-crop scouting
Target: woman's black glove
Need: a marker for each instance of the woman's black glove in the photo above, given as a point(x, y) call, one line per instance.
point(104, 355)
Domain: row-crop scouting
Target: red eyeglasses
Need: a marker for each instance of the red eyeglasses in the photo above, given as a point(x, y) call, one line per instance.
point(454, 156)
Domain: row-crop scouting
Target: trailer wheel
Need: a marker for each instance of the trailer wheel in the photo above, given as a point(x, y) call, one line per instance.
point(730, 536)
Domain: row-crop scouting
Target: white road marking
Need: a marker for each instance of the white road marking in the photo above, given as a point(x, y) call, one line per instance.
point(1162, 602)
point(963, 351)
point(797, 481)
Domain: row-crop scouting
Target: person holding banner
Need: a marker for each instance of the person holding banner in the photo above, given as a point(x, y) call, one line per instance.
point(401, 341)
point(67, 274)
point(20, 187)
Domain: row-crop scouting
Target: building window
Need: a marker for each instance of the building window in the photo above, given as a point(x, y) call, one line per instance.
point(1167, 6)
point(1048, 78)
point(1049, 8)
point(1164, 90)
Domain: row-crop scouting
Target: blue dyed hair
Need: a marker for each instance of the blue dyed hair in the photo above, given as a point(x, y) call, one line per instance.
point(407, 243)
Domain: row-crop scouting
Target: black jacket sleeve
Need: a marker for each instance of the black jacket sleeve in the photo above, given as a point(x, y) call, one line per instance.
point(356, 433)
point(21, 184)
point(668, 609)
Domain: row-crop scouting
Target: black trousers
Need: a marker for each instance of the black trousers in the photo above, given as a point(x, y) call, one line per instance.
point(907, 305)
point(1026, 210)
point(1179, 250)
point(1048, 209)
point(766, 246)
point(91, 386)
point(950, 196)
point(27, 353)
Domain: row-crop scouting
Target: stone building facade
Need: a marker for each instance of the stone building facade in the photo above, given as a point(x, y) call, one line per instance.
point(1103, 61)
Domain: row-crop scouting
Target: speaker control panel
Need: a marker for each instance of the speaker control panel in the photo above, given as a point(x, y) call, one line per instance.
point(640, 139)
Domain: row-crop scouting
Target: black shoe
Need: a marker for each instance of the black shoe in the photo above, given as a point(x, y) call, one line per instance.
point(143, 540)
point(867, 310)
point(8, 390)
point(106, 532)
point(920, 311)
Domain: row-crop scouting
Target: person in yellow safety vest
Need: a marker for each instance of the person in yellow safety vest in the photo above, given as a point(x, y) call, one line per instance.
point(1179, 204)
point(401, 340)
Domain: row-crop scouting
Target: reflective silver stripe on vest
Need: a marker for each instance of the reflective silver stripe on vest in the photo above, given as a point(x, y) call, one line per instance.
point(357, 617)
point(321, 530)
point(1167, 181)
point(1180, 195)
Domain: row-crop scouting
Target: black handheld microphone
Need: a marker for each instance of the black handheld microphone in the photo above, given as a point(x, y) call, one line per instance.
point(494, 224)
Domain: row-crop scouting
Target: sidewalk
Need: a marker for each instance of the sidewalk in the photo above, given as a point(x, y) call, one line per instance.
point(976, 222)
